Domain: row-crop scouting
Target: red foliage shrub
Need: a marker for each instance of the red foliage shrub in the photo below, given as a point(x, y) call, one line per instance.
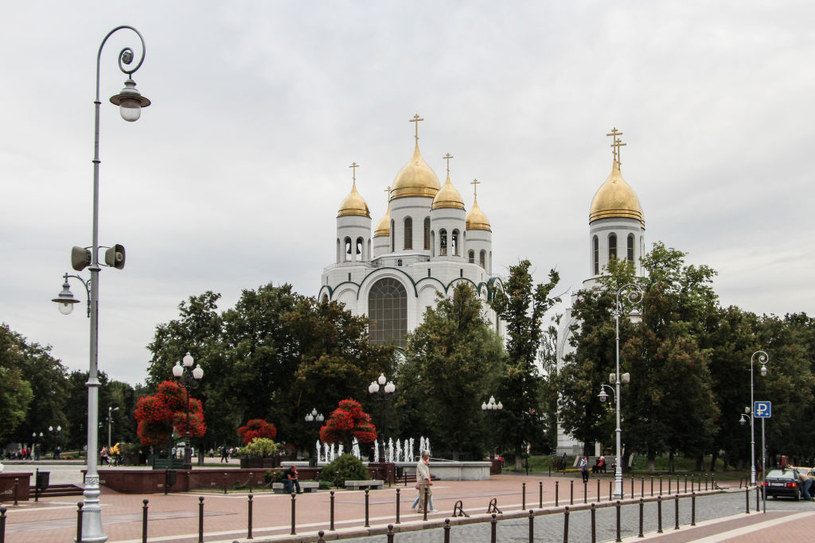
point(257, 428)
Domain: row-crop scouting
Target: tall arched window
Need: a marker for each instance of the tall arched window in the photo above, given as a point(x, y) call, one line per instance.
point(612, 246)
point(427, 233)
point(471, 257)
point(455, 243)
point(348, 249)
point(408, 233)
point(360, 248)
point(631, 247)
point(387, 312)
point(482, 259)
point(596, 254)
point(442, 242)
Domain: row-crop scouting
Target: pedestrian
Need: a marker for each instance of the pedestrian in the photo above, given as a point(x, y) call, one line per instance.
point(806, 482)
point(584, 469)
point(290, 480)
point(224, 454)
point(423, 484)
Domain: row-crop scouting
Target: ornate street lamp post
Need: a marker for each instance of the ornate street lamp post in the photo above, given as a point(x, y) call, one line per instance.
point(316, 419)
point(633, 294)
point(111, 409)
point(188, 378)
point(130, 102)
point(383, 389)
point(492, 407)
point(763, 359)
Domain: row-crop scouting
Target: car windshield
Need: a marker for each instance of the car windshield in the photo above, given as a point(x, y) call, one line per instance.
point(781, 474)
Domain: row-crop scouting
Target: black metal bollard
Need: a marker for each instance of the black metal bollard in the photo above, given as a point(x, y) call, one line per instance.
point(79, 522)
point(557, 491)
point(540, 491)
point(425, 501)
point(660, 485)
point(693, 508)
point(397, 504)
point(447, 530)
point(566, 525)
point(642, 510)
point(598, 490)
point(249, 518)
point(747, 501)
point(16, 488)
point(2, 525)
point(669, 485)
point(593, 524)
point(571, 492)
point(331, 522)
point(200, 519)
point(642, 487)
point(144, 521)
point(226, 475)
point(758, 499)
point(632, 486)
point(610, 490)
point(585, 492)
point(36, 485)
point(617, 507)
point(390, 533)
point(250, 482)
point(686, 483)
point(531, 527)
point(659, 514)
point(293, 511)
point(523, 496)
point(652, 485)
point(676, 512)
point(367, 507)
point(320, 537)
point(493, 528)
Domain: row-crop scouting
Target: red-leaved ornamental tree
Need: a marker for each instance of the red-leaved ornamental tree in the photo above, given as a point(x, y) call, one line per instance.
point(157, 415)
point(348, 421)
point(257, 428)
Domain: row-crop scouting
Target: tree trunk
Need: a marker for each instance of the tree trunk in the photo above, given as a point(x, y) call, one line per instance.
point(652, 461)
point(700, 463)
point(713, 458)
point(671, 462)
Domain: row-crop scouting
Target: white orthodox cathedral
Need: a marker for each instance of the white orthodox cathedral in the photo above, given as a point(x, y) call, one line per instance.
point(425, 243)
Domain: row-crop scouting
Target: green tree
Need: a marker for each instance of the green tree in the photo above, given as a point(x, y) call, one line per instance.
point(454, 358)
point(15, 391)
point(522, 305)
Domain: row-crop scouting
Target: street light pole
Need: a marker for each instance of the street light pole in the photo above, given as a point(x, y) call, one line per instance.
point(130, 102)
point(763, 359)
point(383, 388)
point(188, 378)
point(316, 419)
point(111, 409)
point(492, 407)
point(633, 293)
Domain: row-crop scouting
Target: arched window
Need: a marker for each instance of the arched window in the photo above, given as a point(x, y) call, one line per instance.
point(471, 257)
point(631, 247)
point(348, 249)
point(393, 236)
point(442, 242)
point(427, 233)
point(612, 247)
point(596, 253)
point(408, 233)
point(360, 248)
point(387, 312)
point(454, 241)
point(482, 259)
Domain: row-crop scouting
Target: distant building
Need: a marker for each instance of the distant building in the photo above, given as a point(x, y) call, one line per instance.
point(424, 244)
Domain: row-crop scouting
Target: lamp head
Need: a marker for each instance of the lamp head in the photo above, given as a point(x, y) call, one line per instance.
point(197, 373)
point(178, 371)
point(130, 101)
point(764, 370)
point(390, 388)
point(373, 388)
point(382, 379)
point(65, 299)
point(188, 360)
point(603, 395)
point(484, 406)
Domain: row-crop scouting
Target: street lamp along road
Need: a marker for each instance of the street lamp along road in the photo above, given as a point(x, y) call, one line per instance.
point(188, 378)
point(383, 388)
point(111, 409)
point(317, 419)
point(492, 407)
point(130, 102)
point(763, 358)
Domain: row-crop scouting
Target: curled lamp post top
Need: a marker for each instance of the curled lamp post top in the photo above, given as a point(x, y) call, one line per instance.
point(762, 359)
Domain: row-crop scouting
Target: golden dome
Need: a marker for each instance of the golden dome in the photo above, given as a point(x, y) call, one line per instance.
point(354, 204)
point(448, 196)
point(615, 199)
point(415, 179)
point(476, 220)
point(384, 226)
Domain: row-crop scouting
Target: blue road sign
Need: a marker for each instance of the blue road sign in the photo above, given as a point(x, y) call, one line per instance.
point(763, 410)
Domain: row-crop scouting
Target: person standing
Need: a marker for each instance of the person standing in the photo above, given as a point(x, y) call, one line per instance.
point(423, 484)
point(224, 454)
point(806, 482)
point(584, 469)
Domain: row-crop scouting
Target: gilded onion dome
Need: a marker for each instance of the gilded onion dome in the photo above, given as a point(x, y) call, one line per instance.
point(448, 196)
point(416, 178)
point(383, 229)
point(354, 204)
point(476, 220)
point(615, 199)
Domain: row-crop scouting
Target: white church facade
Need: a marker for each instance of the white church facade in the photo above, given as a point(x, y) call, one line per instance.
point(426, 242)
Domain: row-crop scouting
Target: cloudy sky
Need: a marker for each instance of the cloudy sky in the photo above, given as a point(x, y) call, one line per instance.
point(233, 177)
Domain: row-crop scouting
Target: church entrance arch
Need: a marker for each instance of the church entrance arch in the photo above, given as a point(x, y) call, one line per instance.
point(387, 312)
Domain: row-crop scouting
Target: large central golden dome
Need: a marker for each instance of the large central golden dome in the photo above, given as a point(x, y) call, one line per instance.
point(615, 199)
point(415, 179)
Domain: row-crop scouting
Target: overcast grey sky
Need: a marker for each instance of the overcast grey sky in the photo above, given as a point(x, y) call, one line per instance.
point(233, 177)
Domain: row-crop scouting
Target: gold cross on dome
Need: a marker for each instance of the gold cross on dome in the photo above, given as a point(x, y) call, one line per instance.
point(354, 167)
point(615, 134)
point(447, 157)
point(388, 190)
point(475, 183)
point(416, 119)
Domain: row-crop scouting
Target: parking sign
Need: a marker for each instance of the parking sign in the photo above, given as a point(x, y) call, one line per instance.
point(763, 410)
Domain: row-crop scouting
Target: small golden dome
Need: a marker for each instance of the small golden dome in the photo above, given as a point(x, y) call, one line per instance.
point(476, 220)
point(448, 196)
point(415, 179)
point(615, 199)
point(384, 226)
point(354, 204)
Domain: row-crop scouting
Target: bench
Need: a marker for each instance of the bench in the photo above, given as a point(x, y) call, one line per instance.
point(305, 486)
point(364, 483)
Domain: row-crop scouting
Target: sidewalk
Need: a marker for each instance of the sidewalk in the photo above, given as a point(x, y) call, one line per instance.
point(175, 517)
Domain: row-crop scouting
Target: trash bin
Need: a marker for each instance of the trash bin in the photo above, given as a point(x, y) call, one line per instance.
point(43, 479)
point(169, 478)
